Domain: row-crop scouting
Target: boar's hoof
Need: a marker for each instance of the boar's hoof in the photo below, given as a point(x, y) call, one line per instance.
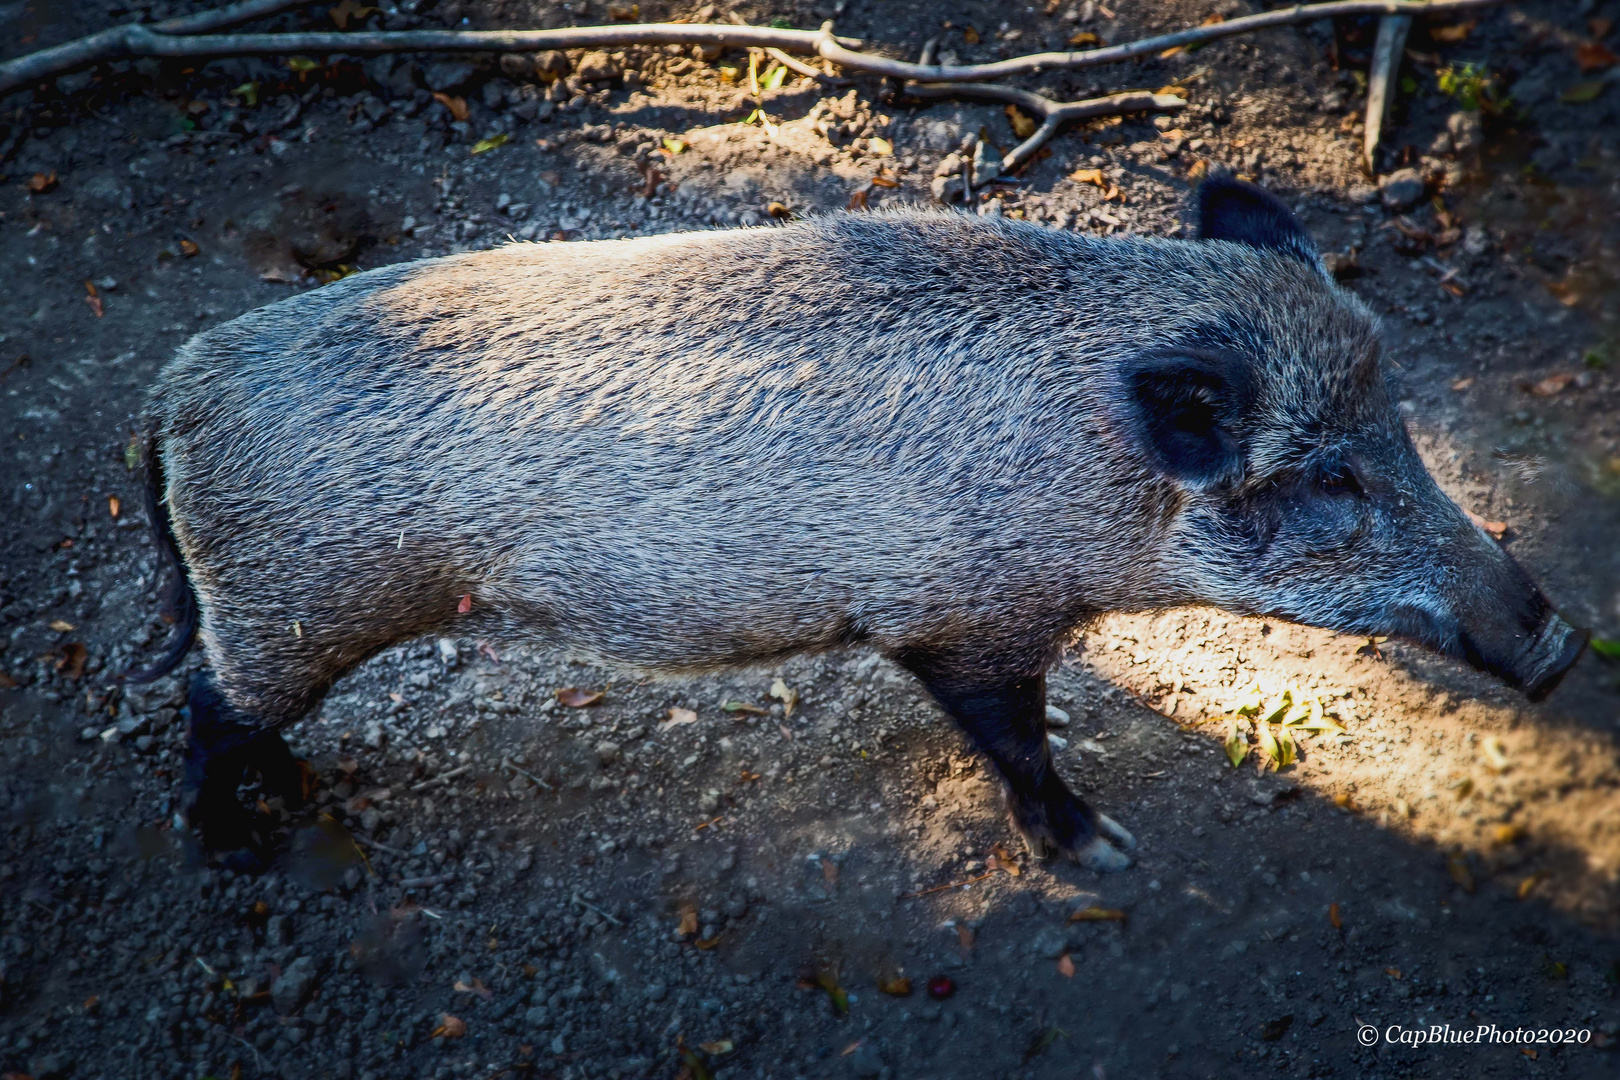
point(1072, 829)
point(1101, 856)
point(1116, 833)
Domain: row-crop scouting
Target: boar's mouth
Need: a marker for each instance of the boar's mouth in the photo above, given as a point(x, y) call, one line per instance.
point(1543, 663)
point(1536, 667)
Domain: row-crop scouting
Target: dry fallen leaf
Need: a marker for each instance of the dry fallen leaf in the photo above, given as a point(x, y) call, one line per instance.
point(40, 182)
point(464, 605)
point(707, 943)
point(1509, 834)
point(575, 698)
point(786, 695)
point(1595, 56)
point(71, 662)
point(679, 716)
point(1463, 383)
point(689, 922)
point(1528, 885)
point(1393, 972)
point(1497, 529)
point(113, 505)
point(964, 937)
point(1457, 867)
point(1333, 916)
point(93, 297)
point(878, 145)
point(1451, 35)
point(1089, 176)
point(1065, 966)
point(1023, 124)
point(61, 626)
point(189, 248)
point(1551, 386)
point(1094, 913)
point(1004, 861)
point(829, 871)
point(718, 1047)
point(897, 987)
point(475, 987)
point(347, 10)
point(1495, 754)
point(970, 35)
point(456, 105)
point(450, 1027)
point(1085, 37)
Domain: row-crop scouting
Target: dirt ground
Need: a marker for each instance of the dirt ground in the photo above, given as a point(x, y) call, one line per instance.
point(495, 883)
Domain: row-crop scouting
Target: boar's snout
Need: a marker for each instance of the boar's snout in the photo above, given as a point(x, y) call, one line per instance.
point(1540, 667)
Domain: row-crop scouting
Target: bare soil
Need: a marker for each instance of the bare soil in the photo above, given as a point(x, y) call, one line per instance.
point(493, 883)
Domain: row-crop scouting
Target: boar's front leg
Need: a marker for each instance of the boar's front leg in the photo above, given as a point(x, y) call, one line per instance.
point(1006, 718)
point(222, 747)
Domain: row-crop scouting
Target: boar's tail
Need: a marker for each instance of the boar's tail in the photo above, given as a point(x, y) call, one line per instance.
point(179, 604)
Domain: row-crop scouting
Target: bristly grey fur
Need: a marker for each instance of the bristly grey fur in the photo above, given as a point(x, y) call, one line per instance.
point(708, 449)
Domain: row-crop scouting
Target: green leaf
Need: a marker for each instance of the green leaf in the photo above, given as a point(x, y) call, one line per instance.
point(485, 145)
point(774, 80)
point(780, 23)
point(1581, 93)
point(1287, 753)
point(675, 146)
point(1268, 744)
point(1408, 84)
point(1609, 650)
point(249, 93)
point(301, 63)
point(1237, 745)
point(132, 453)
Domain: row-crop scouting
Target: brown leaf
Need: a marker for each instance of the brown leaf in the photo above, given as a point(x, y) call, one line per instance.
point(93, 298)
point(1463, 383)
point(689, 922)
point(1457, 867)
point(1089, 176)
point(475, 987)
point(717, 1048)
point(457, 106)
point(1333, 916)
point(1097, 914)
point(113, 505)
point(71, 663)
point(1551, 386)
point(1451, 35)
point(1497, 529)
point(1528, 885)
point(829, 871)
point(464, 605)
point(40, 182)
point(575, 698)
point(897, 987)
point(61, 626)
point(1023, 125)
point(189, 248)
point(347, 10)
point(1005, 861)
point(886, 178)
point(964, 937)
point(450, 1027)
point(1065, 966)
point(970, 35)
point(857, 201)
point(1085, 37)
point(1595, 56)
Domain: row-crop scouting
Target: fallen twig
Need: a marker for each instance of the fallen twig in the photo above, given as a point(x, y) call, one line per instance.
point(943, 888)
point(1054, 114)
point(599, 911)
point(443, 777)
point(112, 43)
point(1386, 61)
point(426, 882)
point(507, 762)
point(374, 845)
point(179, 38)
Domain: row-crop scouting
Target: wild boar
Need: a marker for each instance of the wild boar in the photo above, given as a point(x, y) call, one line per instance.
point(950, 439)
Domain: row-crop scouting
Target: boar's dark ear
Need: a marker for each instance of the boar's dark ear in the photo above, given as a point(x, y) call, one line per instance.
point(1185, 410)
point(1232, 210)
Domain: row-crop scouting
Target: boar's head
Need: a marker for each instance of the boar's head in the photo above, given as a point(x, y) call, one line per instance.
point(1297, 489)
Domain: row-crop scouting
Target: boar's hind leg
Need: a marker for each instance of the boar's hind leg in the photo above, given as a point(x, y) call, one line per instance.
point(222, 747)
point(1007, 719)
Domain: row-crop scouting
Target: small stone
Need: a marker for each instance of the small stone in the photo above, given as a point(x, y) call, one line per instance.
point(1056, 717)
point(552, 65)
point(867, 1062)
point(517, 66)
point(1057, 742)
point(656, 991)
point(1049, 943)
point(278, 930)
point(1402, 189)
point(1179, 992)
point(448, 76)
point(607, 753)
point(447, 648)
point(558, 1046)
point(538, 1016)
point(51, 1067)
point(294, 985)
point(597, 66)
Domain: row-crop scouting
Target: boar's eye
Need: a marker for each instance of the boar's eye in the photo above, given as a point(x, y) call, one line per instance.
point(1339, 478)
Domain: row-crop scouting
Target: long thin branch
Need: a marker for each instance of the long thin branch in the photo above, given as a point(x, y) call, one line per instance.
point(114, 42)
point(1054, 114)
point(1131, 50)
point(154, 41)
point(138, 40)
